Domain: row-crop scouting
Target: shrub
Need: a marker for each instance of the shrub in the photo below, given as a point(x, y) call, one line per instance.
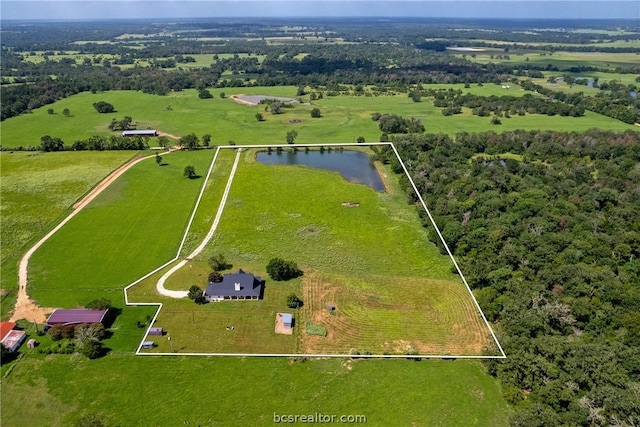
point(55, 333)
point(194, 292)
point(104, 107)
point(190, 172)
point(215, 277)
point(92, 349)
point(293, 301)
point(313, 329)
point(279, 269)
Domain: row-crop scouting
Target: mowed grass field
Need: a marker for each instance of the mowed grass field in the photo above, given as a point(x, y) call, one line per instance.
point(396, 293)
point(391, 315)
point(344, 118)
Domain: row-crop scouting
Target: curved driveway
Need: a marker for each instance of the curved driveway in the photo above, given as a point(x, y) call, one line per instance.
point(182, 294)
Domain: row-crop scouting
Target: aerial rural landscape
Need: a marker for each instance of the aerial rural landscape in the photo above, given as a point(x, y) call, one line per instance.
point(249, 221)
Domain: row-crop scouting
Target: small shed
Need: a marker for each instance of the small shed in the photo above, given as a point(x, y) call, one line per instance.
point(287, 320)
point(148, 344)
point(32, 343)
point(156, 331)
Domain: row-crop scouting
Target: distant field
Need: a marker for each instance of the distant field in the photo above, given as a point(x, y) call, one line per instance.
point(561, 60)
point(344, 118)
point(201, 60)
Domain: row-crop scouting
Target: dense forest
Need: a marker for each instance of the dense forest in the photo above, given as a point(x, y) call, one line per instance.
point(548, 237)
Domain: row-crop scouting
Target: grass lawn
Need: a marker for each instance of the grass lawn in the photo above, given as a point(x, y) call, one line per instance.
point(365, 259)
point(344, 118)
point(169, 391)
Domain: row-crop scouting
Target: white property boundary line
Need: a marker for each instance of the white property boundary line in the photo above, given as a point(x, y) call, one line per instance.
point(182, 294)
point(210, 234)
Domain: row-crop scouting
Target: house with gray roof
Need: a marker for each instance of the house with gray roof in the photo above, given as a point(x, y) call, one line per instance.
point(235, 286)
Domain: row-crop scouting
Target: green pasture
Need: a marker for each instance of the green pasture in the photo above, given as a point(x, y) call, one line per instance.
point(296, 213)
point(344, 118)
point(517, 46)
point(203, 329)
point(38, 190)
point(134, 226)
point(169, 391)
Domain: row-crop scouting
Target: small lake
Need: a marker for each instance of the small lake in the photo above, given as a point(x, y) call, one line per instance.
point(354, 166)
point(256, 99)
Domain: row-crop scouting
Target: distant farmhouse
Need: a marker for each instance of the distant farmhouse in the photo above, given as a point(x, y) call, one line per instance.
point(235, 286)
point(76, 316)
point(143, 132)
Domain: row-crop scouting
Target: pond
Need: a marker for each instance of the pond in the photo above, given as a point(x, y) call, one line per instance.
point(354, 166)
point(256, 99)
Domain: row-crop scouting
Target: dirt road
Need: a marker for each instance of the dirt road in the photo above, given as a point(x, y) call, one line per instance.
point(25, 308)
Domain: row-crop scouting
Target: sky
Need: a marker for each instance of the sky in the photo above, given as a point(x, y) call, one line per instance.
point(507, 9)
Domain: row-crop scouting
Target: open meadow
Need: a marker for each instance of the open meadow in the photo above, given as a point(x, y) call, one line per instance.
point(344, 118)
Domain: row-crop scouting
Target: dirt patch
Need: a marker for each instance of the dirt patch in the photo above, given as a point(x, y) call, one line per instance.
point(350, 204)
point(280, 329)
point(168, 135)
point(27, 309)
point(442, 321)
point(295, 121)
point(383, 176)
